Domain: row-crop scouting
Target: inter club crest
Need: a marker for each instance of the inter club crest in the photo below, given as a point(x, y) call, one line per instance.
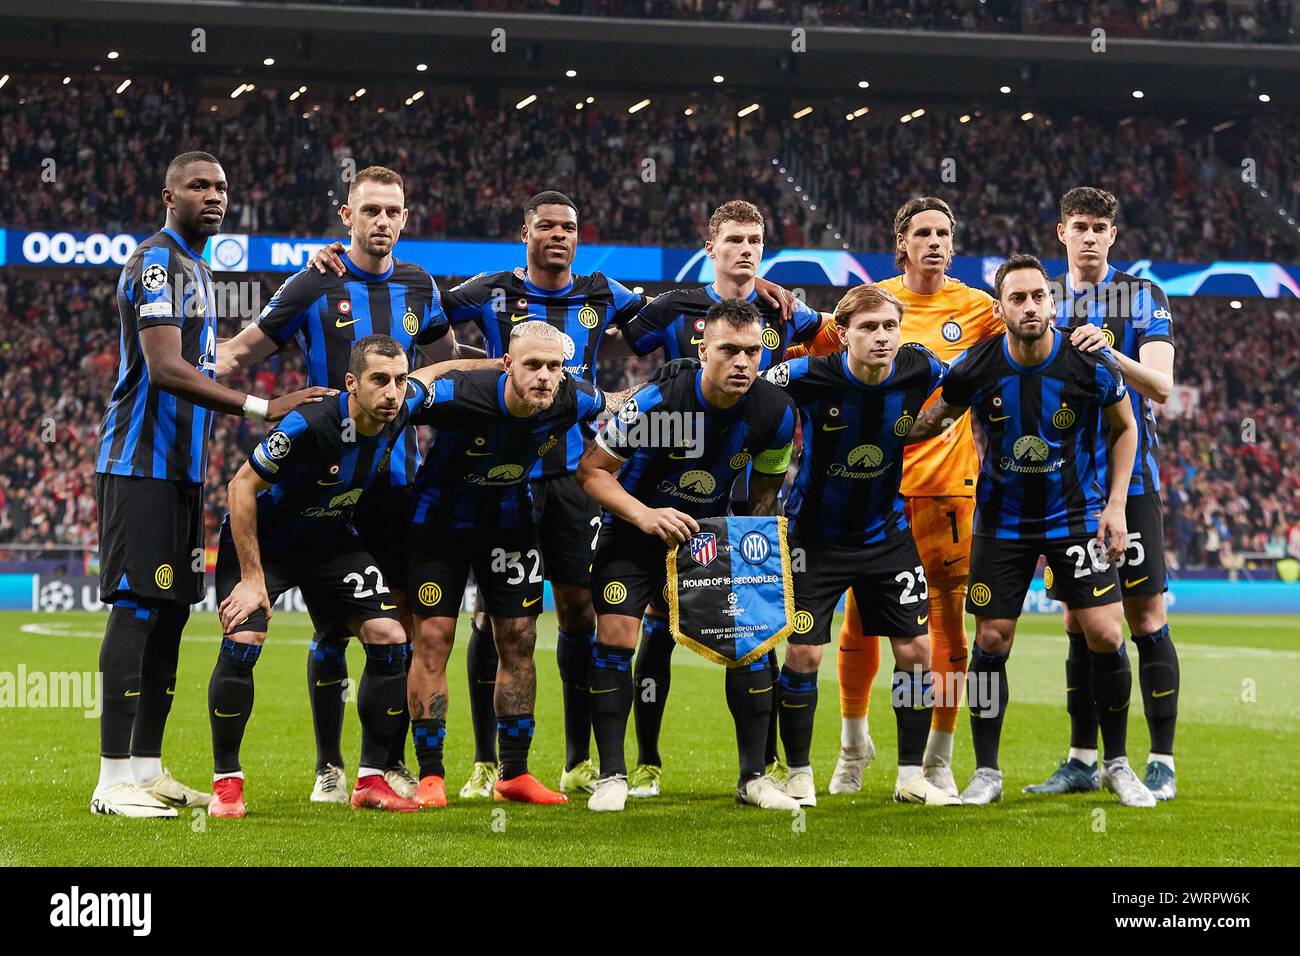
point(704, 548)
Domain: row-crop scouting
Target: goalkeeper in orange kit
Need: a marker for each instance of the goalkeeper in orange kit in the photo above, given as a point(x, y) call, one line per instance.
point(947, 317)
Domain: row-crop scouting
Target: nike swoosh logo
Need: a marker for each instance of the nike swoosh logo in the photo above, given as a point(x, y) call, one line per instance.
point(1116, 710)
point(169, 692)
point(953, 561)
point(130, 693)
point(698, 341)
point(1163, 693)
point(675, 457)
point(1133, 584)
point(611, 690)
point(388, 607)
point(515, 317)
point(765, 690)
point(220, 714)
point(394, 713)
point(1098, 592)
point(1068, 689)
point(477, 454)
point(328, 484)
point(532, 602)
point(784, 704)
point(957, 660)
point(329, 683)
point(340, 324)
point(922, 620)
point(999, 418)
point(490, 683)
point(834, 428)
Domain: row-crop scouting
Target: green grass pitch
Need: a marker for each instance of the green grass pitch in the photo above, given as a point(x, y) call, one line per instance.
point(1237, 770)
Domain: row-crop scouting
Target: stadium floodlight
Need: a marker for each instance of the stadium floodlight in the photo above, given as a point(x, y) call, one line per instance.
point(570, 73)
point(1026, 117)
point(3, 80)
point(849, 117)
point(269, 61)
point(360, 93)
point(718, 78)
point(689, 111)
point(528, 100)
point(113, 54)
point(917, 113)
point(638, 107)
point(864, 110)
point(590, 100)
point(421, 67)
point(964, 118)
point(1265, 98)
point(1235, 303)
point(235, 93)
point(579, 105)
point(863, 84)
point(747, 110)
point(66, 80)
point(803, 112)
point(1138, 94)
point(1004, 89)
point(124, 84)
point(638, 289)
point(905, 118)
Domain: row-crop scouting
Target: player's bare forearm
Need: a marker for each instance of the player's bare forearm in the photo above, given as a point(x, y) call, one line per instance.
point(247, 348)
point(763, 491)
point(242, 497)
point(1153, 375)
point(933, 420)
point(1123, 448)
point(169, 371)
point(600, 484)
point(430, 373)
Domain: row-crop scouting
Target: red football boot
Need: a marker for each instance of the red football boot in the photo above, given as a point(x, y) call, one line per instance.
point(374, 793)
point(526, 789)
point(227, 798)
point(432, 792)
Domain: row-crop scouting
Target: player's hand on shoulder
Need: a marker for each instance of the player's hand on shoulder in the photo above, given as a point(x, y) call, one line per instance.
point(328, 258)
point(1112, 530)
point(668, 524)
point(246, 598)
point(1088, 338)
point(284, 404)
point(776, 296)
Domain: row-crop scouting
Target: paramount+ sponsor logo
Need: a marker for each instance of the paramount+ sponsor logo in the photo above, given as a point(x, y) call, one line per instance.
point(1030, 456)
point(864, 461)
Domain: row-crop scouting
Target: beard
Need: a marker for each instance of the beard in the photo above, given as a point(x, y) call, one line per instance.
point(537, 405)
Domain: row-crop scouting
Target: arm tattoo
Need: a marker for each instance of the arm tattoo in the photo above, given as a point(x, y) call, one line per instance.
point(933, 420)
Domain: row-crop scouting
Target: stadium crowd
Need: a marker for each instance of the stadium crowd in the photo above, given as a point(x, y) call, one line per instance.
point(1181, 202)
point(1231, 21)
point(1230, 466)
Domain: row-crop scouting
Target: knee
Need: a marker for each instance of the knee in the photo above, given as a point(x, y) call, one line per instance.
point(912, 653)
point(382, 631)
point(617, 630)
point(1072, 625)
point(804, 658)
point(433, 640)
point(1106, 638)
point(1145, 614)
point(573, 610)
point(995, 636)
point(515, 637)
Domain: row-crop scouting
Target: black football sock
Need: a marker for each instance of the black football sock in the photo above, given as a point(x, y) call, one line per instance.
point(652, 677)
point(514, 737)
point(797, 700)
point(770, 754)
point(158, 679)
point(230, 701)
point(986, 695)
point(397, 752)
point(381, 702)
point(327, 688)
point(750, 690)
point(428, 734)
point(120, 660)
point(573, 655)
point(481, 666)
point(1078, 694)
point(1158, 678)
point(913, 701)
point(609, 682)
point(1112, 683)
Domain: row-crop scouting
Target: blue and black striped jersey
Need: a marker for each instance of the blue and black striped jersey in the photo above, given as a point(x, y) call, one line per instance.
point(1044, 461)
point(583, 310)
point(327, 314)
point(319, 468)
point(475, 477)
point(1132, 312)
point(681, 452)
point(674, 321)
point(846, 491)
point(147, 432)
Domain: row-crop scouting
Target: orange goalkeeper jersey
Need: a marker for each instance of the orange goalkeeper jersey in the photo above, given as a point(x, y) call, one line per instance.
point(947, 323)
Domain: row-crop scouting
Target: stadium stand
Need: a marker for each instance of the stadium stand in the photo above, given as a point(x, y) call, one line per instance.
point(1182, 189)
point(1242, 21)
